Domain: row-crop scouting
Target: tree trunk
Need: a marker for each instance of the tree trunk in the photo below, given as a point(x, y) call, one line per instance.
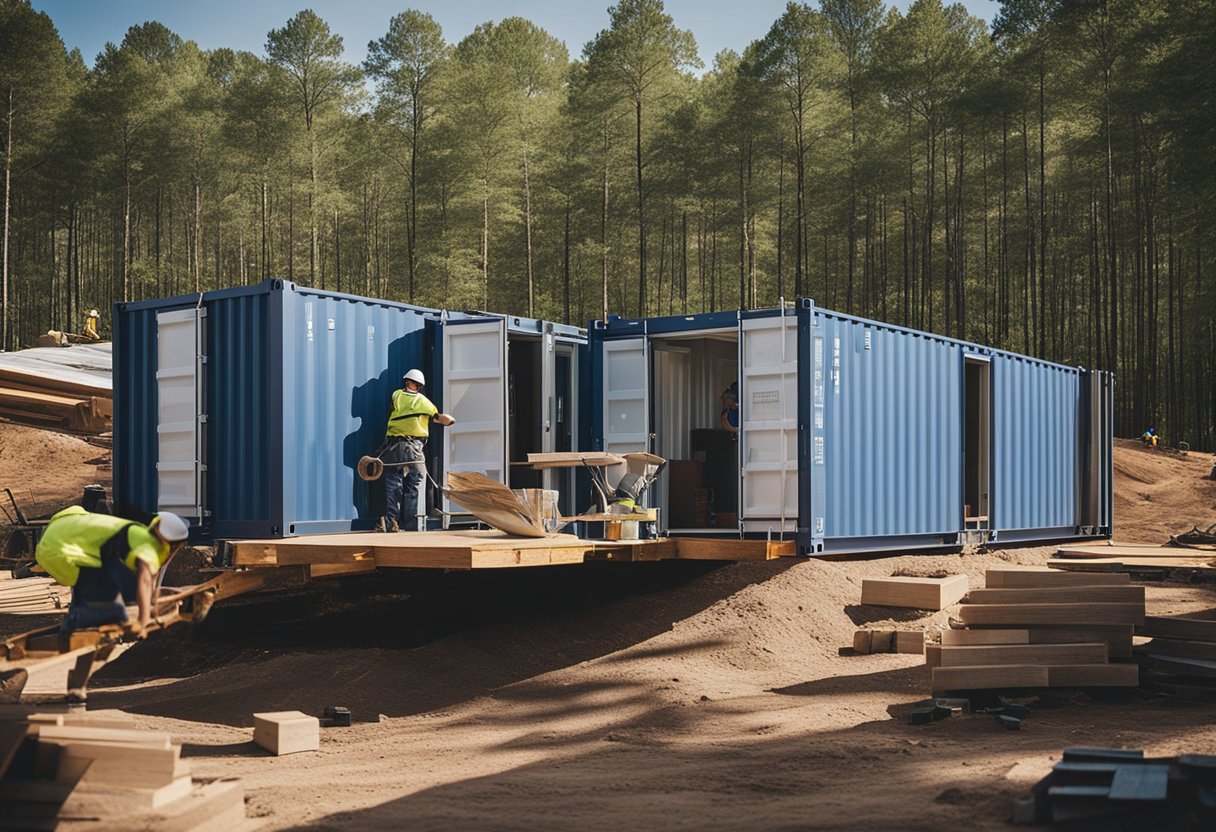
point(528, 236)
point(641, 213)
point(5, 342)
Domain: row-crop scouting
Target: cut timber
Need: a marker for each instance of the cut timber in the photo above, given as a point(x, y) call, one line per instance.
point(692, 548)
point(1094, 676)
point(91, 799)
point(910, 641)
point(1021, 615)
point(1205, 650)
point(574, 459)
point(957, 638)
point(1114, 594)
point(1121, 551)
point(1034, 577)
point(333, 570)
point(988, 678)
point(916, 593)
point(1022, 654)
point(1201, 565)
point(287, 732)
point(1191, 629)
point(861, 642)
point(122, 765)
point(1118, 637)
point(80, 733)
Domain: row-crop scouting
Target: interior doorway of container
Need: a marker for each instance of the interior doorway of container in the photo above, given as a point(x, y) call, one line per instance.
point(976, 439)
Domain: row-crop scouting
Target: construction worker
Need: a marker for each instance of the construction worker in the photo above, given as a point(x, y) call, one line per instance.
point(409, 423)
point(729, 417)
point(90, 325)
point(1149, 437)
point(103, 557)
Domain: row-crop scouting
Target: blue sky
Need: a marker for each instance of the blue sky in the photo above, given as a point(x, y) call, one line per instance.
point(242, 24)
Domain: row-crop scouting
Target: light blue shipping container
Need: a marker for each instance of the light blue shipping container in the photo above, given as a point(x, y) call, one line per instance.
point(855, 435)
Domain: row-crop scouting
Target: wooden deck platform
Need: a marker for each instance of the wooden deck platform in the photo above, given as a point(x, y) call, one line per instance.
point(332, 554)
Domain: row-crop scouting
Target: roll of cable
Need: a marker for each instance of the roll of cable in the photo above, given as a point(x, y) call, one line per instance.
point(370, 468)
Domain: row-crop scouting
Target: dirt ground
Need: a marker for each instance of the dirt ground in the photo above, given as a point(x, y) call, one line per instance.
point(666, 695)
point(48, 470)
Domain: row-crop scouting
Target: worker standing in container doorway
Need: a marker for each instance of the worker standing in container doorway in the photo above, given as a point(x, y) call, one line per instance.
point(404, 458)
point(103, 558)
point(729, 417)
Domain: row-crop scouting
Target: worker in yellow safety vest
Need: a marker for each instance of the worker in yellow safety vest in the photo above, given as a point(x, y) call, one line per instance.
point(90, 325)
point(109, 562)
point(409, 424)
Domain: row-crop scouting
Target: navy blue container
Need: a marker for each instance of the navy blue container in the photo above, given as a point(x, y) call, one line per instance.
point(291, 388)
point(857, 435)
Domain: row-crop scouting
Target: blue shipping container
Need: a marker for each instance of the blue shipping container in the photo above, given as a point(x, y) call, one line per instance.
point(853, 435)
point(248, 409)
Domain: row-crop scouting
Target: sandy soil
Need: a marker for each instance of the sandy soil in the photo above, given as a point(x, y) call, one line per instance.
point(48, 470)
point(666, 695)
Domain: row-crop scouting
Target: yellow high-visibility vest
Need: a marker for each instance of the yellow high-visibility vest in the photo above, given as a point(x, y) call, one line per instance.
point(411, 414)
point(74, 538)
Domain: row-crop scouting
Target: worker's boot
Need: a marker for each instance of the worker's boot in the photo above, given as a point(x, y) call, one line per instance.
point(380, 525)
point(393, 527)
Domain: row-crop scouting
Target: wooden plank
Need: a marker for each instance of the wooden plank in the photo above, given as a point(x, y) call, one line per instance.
point(1022, 654)
point(1112, 594)
point(1191, 629)
point(1094, 675)
point(333, 570)
point(574, 459)
point(1120, 551)
point(989, 678)
point(1205, 650)
point(1100, 565)
point(861, 642)
point(1013, 578)
point(916, 593)
point(1117, 637)
point(109, 800)
point(1183, 666)
point(1021, 615)
point(967, 637)
point(287, 732)
point(693, 548)
point(910, 641)
point(81, 733)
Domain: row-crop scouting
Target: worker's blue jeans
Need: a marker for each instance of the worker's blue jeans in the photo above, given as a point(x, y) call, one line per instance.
point(95, 598)
point(402, 485)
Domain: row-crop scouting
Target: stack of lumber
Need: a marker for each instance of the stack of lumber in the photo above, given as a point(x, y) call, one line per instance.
point(74, 769)
point(1035, 628)
point(1118, 788)
point(32, 596)
point(67, 388)
point(1179, 655)
point(1141, 561)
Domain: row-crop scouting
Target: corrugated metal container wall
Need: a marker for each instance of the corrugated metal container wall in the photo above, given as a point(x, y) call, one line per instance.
point(297, 384)
point(1036, 431)
point(893, 431)
point(342, 359)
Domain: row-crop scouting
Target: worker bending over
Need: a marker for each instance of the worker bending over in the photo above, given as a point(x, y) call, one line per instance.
point(104, 557)
point(409, 424)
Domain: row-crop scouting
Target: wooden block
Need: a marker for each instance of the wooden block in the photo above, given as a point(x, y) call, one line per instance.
point(216, 806)
point(915, 593)
point(881, 641)
point(933, 655)
point(1022, 654)
point(910, 641)
point(1094, 676)
point(122, 765)
point(1184, 649)
point(1023, 578)
point(287, 732)
point(861, 641)
point(989, 678)
point(1021, 615)
point(954, 638)
point(1191, 629)
point(109, 800)
point(1058, 595)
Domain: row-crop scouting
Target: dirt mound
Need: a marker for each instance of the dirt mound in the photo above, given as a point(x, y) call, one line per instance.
point(1158, 494)
point(48, 470)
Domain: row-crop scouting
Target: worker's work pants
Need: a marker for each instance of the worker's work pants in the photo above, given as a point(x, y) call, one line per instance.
point(402, 483)
point(99, 595)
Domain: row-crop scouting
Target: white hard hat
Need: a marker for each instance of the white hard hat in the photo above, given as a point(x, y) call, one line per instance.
point(93, 313)
point(171, 527)
point(416, 376)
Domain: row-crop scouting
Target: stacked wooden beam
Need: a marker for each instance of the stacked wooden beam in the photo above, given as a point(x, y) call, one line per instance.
point(1033, 628)
point(1118, 788)
point(1180, 655)
point(1140, 561)
point(32, 596)
point(62, 768)
point(46, 387)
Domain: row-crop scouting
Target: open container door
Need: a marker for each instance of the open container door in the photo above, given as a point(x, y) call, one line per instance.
point(475, 395)
point(626, 400)
point(179, 415)
point(768, 423)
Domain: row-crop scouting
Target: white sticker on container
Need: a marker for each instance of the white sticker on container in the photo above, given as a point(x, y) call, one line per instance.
point(308, 320)
point(331, 324)
point(819, 418)
point(371, 333)
point(836, 364)
point(818, 456)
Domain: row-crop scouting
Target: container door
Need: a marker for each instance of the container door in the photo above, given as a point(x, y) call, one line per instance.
point(768, 423)
point(179, 416)
point(626, 401)
point(475, 395)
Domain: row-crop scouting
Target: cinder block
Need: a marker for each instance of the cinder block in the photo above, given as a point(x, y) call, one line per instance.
point(287, 732)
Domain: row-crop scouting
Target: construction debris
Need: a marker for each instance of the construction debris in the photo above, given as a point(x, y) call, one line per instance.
point(68, 768)
point(1118, 788)
point(1040, 628)
point(492, 502)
